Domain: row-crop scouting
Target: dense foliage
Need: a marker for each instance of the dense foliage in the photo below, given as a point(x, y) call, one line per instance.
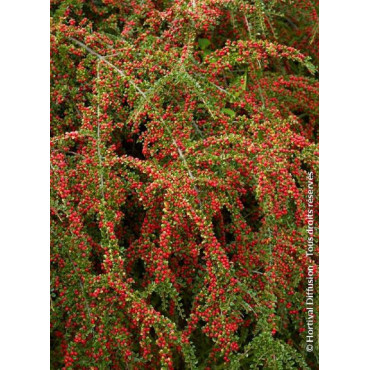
point(182, 133)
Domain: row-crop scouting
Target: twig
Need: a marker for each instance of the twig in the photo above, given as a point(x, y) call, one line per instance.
point(91, 51)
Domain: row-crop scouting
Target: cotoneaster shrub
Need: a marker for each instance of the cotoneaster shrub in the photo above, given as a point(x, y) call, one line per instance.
point(182, 133)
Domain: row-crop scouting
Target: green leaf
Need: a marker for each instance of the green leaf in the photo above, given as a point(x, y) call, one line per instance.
point(311, 68)
point(229, 112)
point(204, 43)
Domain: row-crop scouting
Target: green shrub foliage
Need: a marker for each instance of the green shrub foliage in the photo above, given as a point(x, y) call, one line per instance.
point(182, 136)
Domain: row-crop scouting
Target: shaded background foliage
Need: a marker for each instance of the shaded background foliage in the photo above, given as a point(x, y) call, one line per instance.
point(182, 133)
